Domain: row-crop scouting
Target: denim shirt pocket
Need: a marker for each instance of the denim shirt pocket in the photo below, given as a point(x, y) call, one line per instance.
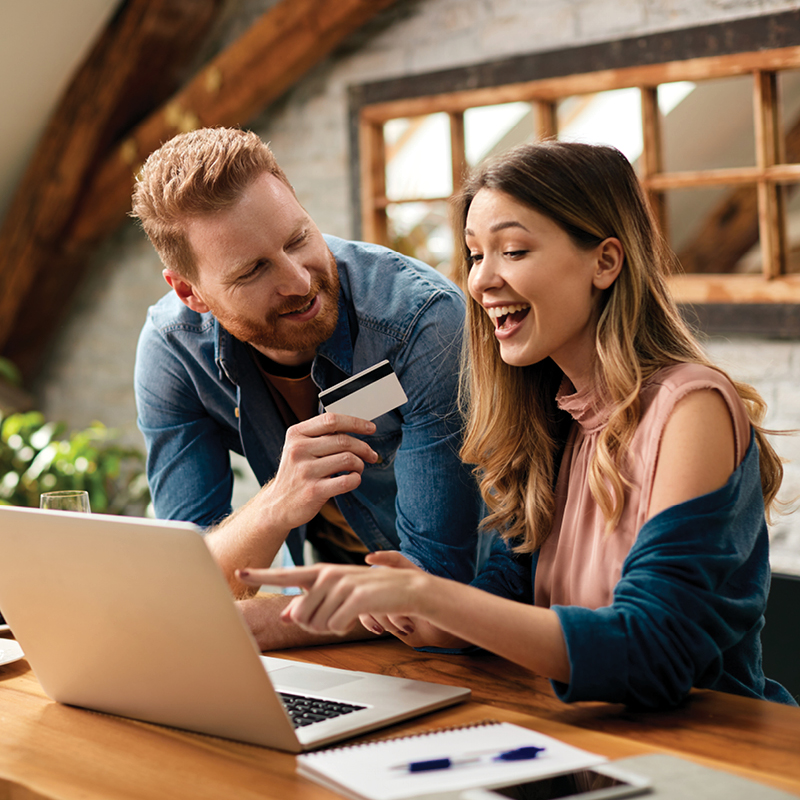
point(386, 446)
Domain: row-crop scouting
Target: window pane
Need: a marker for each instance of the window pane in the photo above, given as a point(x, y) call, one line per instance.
point(715, 229)
point(422, 230)
point(418, 157)
point(711, 127)
point(789, 99)
point(613, 117)
point(494, 129)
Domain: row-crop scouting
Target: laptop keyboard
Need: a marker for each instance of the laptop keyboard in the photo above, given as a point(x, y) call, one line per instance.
point(307, 710)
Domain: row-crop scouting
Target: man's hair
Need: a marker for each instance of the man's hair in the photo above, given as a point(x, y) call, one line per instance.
point(513, 426)
point(196, 173)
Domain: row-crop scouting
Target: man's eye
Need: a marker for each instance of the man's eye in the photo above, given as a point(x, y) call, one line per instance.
point(254, 270)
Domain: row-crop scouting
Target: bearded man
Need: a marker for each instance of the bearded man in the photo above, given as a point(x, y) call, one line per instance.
point(265, 313)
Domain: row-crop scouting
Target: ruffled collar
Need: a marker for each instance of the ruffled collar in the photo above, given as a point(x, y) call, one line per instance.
point(585, 407)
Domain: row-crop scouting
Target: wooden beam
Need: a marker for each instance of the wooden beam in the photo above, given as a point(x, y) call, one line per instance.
point(374, 226)
point(652, 160)
point(725, 176)
point(546, 119)
point(573, 83)
point(253, 72)
point(771, 198)
point(699, 289)
point(250, 74)
point(132, 65)
point(458, 150)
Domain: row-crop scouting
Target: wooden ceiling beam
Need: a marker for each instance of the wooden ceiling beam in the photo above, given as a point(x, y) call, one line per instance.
point(253, 72)
point(241, 82)
point(132, 66)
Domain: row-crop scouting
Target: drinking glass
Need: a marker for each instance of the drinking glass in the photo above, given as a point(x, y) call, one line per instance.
point(65, 501)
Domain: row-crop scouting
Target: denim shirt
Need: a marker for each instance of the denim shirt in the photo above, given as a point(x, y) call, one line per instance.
point(200, 395)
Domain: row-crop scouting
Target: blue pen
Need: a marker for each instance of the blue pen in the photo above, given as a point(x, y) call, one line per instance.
point(517, 754)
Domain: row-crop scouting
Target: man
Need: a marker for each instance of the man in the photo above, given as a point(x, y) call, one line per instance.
point(264, 313)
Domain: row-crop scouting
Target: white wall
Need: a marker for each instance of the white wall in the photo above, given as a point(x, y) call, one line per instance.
point(88, 375)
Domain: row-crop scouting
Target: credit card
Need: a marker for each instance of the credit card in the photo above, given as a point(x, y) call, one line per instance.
point(368, 394)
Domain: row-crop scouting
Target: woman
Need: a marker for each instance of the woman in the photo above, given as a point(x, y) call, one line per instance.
point(627, 475)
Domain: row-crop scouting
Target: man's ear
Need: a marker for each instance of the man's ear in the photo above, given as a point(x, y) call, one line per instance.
point(185, 290)
point(610, 258)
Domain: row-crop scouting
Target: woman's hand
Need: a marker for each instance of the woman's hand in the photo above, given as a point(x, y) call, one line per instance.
point(336, 596)
point(414, 631)
point(401, 626)
point(451, 613)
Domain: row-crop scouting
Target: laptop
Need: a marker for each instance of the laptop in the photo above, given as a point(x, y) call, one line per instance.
point(133, 617)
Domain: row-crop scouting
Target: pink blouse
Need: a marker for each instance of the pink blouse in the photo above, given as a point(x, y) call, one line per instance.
point(579, 564)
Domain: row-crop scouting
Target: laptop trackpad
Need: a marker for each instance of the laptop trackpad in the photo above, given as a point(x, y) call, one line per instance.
point(300, 678)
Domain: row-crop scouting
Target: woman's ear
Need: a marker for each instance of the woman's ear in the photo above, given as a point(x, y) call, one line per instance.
point(185, 290)
point(610, 258)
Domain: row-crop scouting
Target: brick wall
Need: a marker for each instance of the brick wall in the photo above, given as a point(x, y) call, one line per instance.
point(88, 374)
point(774, 369)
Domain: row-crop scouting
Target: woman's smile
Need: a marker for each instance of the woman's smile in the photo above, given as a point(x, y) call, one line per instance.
point(534, 282)
point(512, 313)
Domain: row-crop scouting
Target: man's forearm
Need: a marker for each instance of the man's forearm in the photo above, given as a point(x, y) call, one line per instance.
point(247, 538)
point(262, 614)
point(320, 460)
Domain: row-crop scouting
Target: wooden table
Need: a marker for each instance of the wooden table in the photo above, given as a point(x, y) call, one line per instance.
point(52, 751)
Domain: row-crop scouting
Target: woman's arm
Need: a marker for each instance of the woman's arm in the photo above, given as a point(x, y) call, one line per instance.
point(335, 596)
point(697, 453)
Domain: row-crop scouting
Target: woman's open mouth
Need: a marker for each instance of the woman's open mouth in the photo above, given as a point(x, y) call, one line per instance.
point(508, 315)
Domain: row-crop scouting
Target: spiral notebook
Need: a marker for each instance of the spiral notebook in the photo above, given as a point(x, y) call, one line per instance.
point(381, 770)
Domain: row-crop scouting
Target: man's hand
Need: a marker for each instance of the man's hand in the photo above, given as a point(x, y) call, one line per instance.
point(320, 460)
point(263, 616)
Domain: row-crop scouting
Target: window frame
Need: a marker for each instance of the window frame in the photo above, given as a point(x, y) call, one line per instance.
point(766, 304)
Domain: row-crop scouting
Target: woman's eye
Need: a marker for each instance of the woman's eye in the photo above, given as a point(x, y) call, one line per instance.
point(474, 258)
point(516, 253)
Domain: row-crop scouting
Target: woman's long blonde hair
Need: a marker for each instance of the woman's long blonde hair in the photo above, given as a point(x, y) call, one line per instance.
point(514, 428)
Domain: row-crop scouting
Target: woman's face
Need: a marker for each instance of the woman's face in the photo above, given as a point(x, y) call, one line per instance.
point(539, 288)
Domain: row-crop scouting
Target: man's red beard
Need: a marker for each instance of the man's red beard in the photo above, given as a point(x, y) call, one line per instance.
point(276, 333)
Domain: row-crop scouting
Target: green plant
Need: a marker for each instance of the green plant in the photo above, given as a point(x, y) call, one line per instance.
point(36, 457)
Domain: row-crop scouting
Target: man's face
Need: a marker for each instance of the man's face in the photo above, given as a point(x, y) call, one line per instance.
point(265, 272)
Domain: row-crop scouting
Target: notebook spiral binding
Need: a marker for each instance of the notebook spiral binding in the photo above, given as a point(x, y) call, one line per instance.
point(398, 737)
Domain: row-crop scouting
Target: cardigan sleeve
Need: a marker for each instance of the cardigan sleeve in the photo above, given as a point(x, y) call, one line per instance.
point(506, 573)
point(688, 608)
